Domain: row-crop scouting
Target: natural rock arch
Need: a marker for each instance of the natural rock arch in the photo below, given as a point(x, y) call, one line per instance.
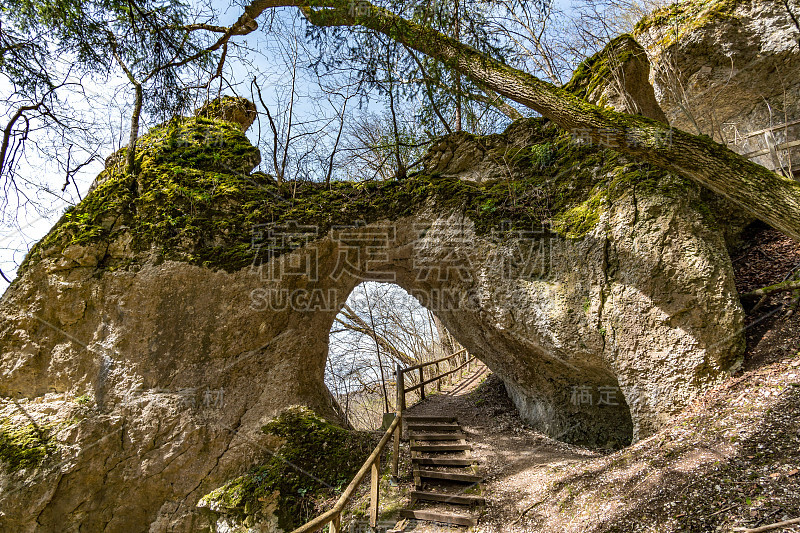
point(146, 296)
point(469, 284)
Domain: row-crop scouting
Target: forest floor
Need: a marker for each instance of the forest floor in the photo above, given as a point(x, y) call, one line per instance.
point(732, 460)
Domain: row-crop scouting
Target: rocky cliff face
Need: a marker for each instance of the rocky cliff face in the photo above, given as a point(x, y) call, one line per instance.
point(618, 77)
point(167, 318)
point(728, 69)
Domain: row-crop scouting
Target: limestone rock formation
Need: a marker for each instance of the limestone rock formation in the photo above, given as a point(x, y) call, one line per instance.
point(164, 320)
point(234, 109)
point(728, 68)
point(480, 159)
point(619, 77)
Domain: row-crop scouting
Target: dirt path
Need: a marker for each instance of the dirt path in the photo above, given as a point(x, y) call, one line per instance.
point(730, 460)
point(514, 458)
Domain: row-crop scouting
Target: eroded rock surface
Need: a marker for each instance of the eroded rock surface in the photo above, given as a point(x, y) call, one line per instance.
point(167, 318)
point(618, 77)
point(234, 109)
point(729, 69)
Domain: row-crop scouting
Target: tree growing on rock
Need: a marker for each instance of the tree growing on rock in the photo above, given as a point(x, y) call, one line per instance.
point(134, 35)
point(763, 193)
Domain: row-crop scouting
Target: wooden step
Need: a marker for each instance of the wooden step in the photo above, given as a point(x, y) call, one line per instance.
point(431, 418)
point(436, 436)
point(444, 518)
point(457, 499)
point(449, 476)
point(432, 427)
point(442, 461)
point(440, 447)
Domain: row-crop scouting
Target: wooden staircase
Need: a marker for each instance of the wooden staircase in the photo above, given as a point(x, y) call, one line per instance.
point(446, 478)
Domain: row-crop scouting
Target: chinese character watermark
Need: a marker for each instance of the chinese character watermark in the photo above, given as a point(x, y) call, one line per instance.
point(585, 395)
point(209, 399)
point(361, 249)
point(270, 241)
point(581, 395)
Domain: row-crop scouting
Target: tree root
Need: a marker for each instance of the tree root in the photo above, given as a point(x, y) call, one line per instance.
point(524, 512)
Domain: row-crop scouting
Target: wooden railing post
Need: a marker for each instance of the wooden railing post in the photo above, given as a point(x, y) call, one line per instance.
point(396, 449)
point(400, 406)
point(438, 381)
point(374, 492)
point(373, 465)
point(450, 366)
point(401, 389)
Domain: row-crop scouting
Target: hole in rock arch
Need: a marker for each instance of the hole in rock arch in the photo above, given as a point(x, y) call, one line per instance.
point(380, 326)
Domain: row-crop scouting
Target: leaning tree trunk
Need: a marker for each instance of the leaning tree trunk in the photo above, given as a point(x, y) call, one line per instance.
point(357, 324)
point(762, 193)
point(130, 160)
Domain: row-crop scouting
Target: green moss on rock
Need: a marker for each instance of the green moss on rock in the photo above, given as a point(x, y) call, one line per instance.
point(316, 461)
point(579, 220)
point(24, 445)
point(195, 201)
point(685, 16)
point(598, 69)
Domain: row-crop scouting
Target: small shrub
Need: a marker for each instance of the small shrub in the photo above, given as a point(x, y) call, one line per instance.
point(84, 399)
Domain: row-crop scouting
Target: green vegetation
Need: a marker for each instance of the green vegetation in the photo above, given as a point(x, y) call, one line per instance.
point(542, 155)
point(316, 460)
point(194, 201)
point(85, 399)
point(24, 445)
point(682, 17)
point(597, 69)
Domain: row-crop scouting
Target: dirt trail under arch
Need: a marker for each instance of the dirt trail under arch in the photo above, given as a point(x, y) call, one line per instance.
point(731, 460)
point(513, 457)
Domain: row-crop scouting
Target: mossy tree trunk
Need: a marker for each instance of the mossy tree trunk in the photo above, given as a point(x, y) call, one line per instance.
point(764, 293)
point(764, 194)
point(457, 36)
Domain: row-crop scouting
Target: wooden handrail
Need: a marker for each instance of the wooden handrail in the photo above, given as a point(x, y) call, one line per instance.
point(423, 365)
point(771, 128)
point(334, 515)
point(372, 463)
point(440, 376)
point(765, 151)
point(401, 372)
